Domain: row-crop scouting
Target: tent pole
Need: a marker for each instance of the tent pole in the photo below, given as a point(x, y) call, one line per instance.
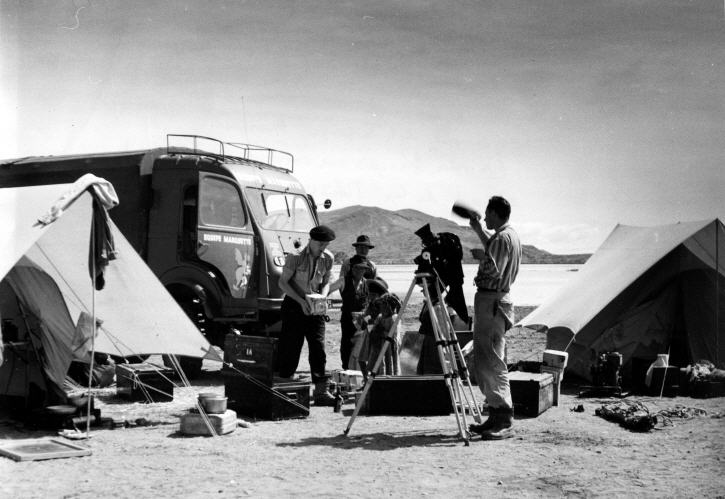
point(93, 325)
point(717, 292)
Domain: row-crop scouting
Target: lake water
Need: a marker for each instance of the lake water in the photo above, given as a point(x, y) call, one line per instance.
point(534, 284)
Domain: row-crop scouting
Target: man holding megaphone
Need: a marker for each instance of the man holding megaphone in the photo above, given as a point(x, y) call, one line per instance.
point(493, 310)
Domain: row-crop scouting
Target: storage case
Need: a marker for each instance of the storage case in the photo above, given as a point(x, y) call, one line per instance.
point(665, 379)
point(247, 397)
point(532, 393)
point(555, 359)
point(253, 355)
point(408, 396)
point(349, 380)
point(707, 389)
point(193, 423)
point(144, 382)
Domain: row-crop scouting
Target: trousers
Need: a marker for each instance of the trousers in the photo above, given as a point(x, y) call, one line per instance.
point(493, 316)
point(296, 327)
point(348, 330)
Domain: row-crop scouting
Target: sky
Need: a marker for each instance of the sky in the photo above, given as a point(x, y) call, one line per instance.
point(583, 114)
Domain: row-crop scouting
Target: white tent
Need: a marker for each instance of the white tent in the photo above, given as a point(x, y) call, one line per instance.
point(646, 290)
point(47, 268)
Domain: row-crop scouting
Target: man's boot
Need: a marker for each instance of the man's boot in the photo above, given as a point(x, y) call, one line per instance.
point(321, 394)
point(502, 427)
point(486, 425)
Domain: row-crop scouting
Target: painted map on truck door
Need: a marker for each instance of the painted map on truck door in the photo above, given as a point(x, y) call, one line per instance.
point(233, 255)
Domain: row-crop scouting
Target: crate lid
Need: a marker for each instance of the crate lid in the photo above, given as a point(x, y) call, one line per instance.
point(540, 378)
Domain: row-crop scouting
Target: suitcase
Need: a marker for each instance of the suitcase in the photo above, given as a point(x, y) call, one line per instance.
point(532, 393)
point(253, 355)
point(408, 396)
point(275, 401)
point(144, 382)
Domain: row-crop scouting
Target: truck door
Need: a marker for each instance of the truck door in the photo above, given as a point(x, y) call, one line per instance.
point(225, 237)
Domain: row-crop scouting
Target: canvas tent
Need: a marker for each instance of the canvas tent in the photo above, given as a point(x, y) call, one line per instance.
point(45, 274)
point(646, 291)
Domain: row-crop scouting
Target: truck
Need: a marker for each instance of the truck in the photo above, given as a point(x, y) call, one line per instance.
point(213, 220)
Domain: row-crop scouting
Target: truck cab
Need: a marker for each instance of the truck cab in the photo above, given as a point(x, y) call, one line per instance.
point(230, 221)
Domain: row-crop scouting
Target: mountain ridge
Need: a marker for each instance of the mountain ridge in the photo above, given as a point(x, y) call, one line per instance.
point(393, 234)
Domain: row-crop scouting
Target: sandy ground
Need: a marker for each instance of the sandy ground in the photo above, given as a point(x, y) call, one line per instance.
point(560, 453)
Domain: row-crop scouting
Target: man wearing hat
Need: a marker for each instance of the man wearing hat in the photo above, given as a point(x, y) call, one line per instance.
point(353, 290)
point(308, 272)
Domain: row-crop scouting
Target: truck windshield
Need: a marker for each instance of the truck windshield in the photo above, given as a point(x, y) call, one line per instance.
point(280, 210)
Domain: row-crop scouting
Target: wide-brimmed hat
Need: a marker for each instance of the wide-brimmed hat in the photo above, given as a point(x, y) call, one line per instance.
point(363, 241)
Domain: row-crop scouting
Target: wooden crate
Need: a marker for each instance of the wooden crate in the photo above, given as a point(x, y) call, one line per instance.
point(532, 393)
point(255, 399)
point(253, 355)
point(144, 382)
point(408, 396)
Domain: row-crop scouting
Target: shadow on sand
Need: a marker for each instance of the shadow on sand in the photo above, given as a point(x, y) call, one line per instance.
point(380, 441)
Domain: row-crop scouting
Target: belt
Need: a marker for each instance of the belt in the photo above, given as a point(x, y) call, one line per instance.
point(492, 290)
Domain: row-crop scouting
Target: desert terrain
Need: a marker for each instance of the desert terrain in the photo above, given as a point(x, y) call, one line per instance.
point(560, 453)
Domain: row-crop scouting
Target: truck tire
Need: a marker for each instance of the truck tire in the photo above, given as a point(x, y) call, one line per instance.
point(195, 311)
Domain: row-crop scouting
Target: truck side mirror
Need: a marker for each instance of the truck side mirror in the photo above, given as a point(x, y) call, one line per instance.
point(327, 204)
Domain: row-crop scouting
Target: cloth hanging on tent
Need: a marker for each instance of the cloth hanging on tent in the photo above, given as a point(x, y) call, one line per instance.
point(101, 189)
point(102, 249)
point(104, 196)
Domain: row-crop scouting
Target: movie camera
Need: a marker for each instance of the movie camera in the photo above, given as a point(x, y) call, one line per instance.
point(441, 256)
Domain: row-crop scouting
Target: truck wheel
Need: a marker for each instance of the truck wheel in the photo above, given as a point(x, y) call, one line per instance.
point(195, 311)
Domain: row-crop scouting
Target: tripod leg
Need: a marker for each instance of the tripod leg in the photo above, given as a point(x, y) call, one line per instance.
point(371, 374)
point(472, 403)
point(446, 366)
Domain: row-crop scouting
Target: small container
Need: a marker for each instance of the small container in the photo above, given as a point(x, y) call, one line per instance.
point(214, 405)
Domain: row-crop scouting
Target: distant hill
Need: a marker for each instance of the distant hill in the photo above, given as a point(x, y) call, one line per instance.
point(393, 234)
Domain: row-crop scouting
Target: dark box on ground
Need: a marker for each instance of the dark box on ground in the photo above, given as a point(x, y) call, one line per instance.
point(144, 382)
point(253, 355)
point(257, 399)
point(665, 380)
point(408, 396)
point(532, 393)
point(702, 389)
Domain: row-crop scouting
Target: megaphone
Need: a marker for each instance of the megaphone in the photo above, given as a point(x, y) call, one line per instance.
point(465, 211)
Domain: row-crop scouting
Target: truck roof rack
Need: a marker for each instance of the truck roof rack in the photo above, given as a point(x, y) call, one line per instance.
point(208, 146)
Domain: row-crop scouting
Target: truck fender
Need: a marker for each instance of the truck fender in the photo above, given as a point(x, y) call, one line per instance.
point(183, 284)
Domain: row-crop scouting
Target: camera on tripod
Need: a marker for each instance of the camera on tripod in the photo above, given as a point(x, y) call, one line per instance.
point(441, 256)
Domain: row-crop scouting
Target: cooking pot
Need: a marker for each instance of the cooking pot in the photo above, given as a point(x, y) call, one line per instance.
point(214, 405)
